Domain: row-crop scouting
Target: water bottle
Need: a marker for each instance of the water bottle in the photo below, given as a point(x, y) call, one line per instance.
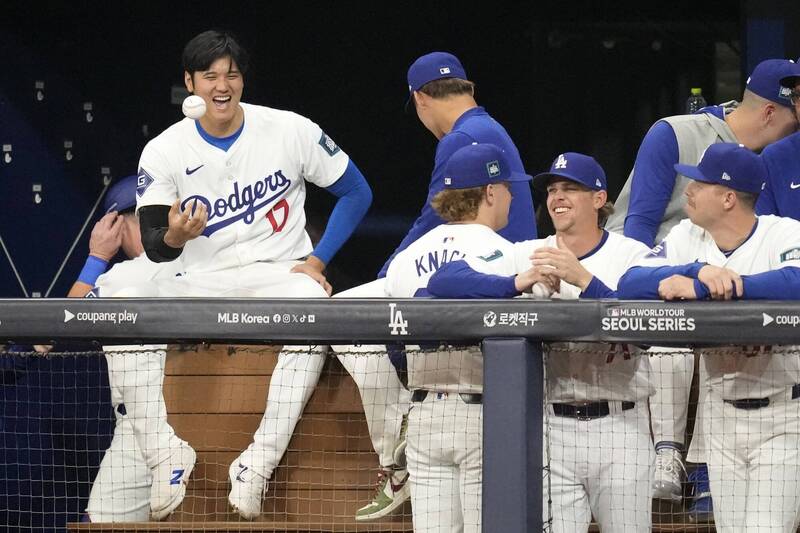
point(695, 101)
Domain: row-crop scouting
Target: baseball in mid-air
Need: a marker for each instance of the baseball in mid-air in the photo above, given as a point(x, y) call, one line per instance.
point(194, 107)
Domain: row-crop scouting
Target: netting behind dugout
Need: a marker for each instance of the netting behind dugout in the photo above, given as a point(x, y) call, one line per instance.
point(59, 418)
point(735, 409)
point(667, 439)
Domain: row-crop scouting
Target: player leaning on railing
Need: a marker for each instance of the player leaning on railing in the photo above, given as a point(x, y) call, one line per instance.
point(751, 417)
point(445, 421)
point(598, 444)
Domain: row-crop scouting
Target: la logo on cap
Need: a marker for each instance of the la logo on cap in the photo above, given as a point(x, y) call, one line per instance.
point(561, 162)
point(785, 92)
point(725, 176)
point(444, 70)
point(493, 167)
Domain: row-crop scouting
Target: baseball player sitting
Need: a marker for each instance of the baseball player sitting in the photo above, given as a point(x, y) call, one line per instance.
point(225, 193)
point(752, 410)
point(133, 482)
point(445, 421)
point(596, 425)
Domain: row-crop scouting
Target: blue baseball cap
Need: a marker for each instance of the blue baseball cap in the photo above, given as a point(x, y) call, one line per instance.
point(434, 66)
point(731, 165)
point(774, 80)
point(576, 167)
point(476, 165)
point(430, 67)
point(121, 196)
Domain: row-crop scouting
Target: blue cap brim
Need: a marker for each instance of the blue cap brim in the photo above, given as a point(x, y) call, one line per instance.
point(692, 172)
point(540, 180)
point(409, 105)
point(519, 176)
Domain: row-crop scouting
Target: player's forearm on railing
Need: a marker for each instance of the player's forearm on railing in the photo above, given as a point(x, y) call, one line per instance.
point(641, 283)
point(458, 280)
point(598, 289)
point(781, 284)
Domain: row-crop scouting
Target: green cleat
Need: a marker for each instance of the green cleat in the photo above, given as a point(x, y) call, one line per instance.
point(391, 492)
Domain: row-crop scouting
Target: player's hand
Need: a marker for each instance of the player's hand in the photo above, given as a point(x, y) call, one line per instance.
point(721, 282)
point(524, 281)
point(106, 237)
point(677, 287)
point(43, 349)
point(564, 264)
point(313, 268)
point(185, 226)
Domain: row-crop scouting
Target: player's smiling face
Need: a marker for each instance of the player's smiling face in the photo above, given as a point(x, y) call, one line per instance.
point(221, 87)
point(572, 206)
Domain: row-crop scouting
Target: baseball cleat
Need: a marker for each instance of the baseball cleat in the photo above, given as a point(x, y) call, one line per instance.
point(392, 491)
point(247, 490)
point(399, 453)
point(702, 508)
point(169, 481)
point(667, 481)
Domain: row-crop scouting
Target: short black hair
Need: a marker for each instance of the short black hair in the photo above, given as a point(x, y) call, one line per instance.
point(207, 47)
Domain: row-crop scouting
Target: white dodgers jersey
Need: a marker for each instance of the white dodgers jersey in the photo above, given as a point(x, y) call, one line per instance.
point(133, 272)
point(453, 370)
point(585, 371)
point(775, 243)
point(255, 192)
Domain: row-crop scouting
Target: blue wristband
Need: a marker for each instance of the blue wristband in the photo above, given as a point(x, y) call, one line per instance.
point(92, 269)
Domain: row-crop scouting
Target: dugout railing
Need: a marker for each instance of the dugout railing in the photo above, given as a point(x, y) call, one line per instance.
point(511, 332)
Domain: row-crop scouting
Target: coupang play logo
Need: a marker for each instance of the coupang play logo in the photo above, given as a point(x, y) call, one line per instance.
point(242, 203)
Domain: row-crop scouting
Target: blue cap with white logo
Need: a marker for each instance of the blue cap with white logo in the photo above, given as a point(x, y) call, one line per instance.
point(774, 80)
point(476, 165)
point(434, 66)
point(731, 165)
point(574, 167)
point(121, 196)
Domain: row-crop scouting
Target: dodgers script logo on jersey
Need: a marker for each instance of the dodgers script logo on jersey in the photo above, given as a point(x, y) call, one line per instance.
point(243, 203)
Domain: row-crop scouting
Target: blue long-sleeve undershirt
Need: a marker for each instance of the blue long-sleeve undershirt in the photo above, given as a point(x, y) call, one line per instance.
point(780, 284)
point(641, 283)
point(652, 183)
point(597, 289)
point(355, 197)
point(458, 280)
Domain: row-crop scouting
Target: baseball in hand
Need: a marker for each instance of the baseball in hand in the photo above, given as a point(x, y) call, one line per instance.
point(540, 291)
point(194, 107)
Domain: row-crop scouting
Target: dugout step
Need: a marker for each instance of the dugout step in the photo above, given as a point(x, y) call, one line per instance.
point(215, 398)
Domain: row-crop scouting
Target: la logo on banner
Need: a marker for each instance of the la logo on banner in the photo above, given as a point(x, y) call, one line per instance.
point(397, 325)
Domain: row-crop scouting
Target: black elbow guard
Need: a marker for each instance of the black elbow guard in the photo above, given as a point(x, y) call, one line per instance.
point(154, 222)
